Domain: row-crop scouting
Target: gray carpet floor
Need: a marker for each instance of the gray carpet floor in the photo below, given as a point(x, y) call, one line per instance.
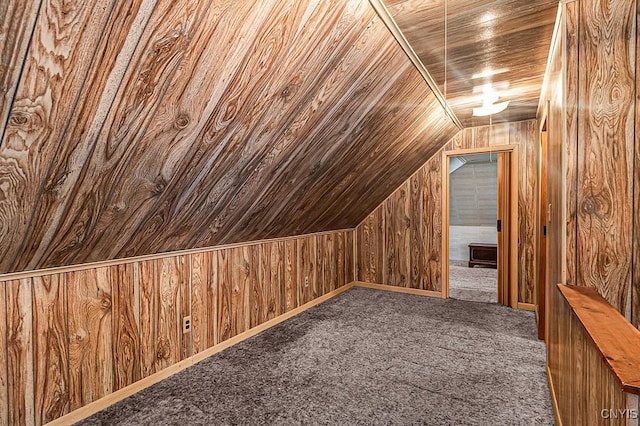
point(473, 284)
point(365, 357)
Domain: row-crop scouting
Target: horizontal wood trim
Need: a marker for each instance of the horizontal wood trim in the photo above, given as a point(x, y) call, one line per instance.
point(483, 150)
point(123, 393)
point(614, 337)
point(396, 289)
point(527, 306)
point(554, 398)
point(395, 30)
point(164, 255)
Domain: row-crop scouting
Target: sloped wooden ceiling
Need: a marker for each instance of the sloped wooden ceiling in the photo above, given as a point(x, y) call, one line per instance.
point(510, 37)
point(141, 126)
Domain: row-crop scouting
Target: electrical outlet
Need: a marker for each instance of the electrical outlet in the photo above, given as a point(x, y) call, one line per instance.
point(306, 281)
point(186, 324)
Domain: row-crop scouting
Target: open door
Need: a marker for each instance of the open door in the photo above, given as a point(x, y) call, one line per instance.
point(502, 226)
point(541, 296)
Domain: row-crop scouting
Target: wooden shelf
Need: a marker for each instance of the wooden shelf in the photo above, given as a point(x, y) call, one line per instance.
point(617, 340)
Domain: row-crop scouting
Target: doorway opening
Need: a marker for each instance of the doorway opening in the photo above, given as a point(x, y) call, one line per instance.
point(479, 233)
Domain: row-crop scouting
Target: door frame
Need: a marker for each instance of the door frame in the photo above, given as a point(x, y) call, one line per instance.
point(541, 270)
point(513, 150)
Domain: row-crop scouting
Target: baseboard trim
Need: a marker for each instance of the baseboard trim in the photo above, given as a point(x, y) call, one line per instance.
point(554, 399)
point(527, 306)
point(396, 289)
point(119, 395)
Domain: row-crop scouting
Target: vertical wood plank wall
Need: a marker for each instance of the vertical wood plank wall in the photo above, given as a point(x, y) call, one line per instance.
point(98, 330)
point(583, 384)
point(400, 243)
point(593, 175)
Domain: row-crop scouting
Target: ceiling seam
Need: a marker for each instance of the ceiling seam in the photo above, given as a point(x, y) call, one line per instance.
point(393, 27)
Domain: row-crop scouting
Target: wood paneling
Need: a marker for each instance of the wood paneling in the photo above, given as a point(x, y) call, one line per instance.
point(59, 75)
point(4, 372)
point(148, 313)
point(635, 291)
point(292, 300)
point(400, 243)
point(591, 160)
point(592, 172)
point(582, 382)
point(570, 139)
point(168, 320)
point(222, 275)
point(204, 298)
point(134, 133)
point(397, 219)
point(125, 281)
point(307, 269)
point(614, 337)
point(370, 247)
point(90, 336)
point(272, 276)
point(51, 345)
point(242, 275)
point(605, 153)
point(71, 338)
point(511, 37)
point(16, 25)
point(349, 257)
point(20, 351)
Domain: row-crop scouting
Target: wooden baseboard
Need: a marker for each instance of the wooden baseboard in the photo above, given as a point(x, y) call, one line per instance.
point(554, 399)
point(101, 404)
point(527, 306)
point(396, 289)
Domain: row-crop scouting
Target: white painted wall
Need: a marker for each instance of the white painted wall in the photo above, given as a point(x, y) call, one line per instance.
point(461, 236)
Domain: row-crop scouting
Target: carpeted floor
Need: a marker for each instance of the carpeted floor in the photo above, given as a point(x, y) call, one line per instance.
point(473, 284)
point(366, 357)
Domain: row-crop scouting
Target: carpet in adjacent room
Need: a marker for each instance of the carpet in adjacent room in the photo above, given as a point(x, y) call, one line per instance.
point(473, 284)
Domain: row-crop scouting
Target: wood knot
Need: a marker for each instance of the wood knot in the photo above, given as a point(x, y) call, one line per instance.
point(105, 302)
point(288, 92)
point(163, 350)
point(159, 185)
point(181, 122)
point(119, 207)
point(25, 121)
point(597, 205)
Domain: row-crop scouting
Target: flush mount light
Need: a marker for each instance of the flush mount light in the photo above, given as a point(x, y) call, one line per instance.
point(485, 110)
point(490, 104)
point(488, 72)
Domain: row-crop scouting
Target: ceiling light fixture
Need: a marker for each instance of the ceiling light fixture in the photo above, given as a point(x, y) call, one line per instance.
point(490, 104)
point(488, 72)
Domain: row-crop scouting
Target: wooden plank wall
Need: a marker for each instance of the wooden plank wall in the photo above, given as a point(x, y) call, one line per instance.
point(604, 164)
point(583, 385)
point(592, 160)
point(400, 242)
point(97, 330)
point(593, 181)
point(138, 127)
